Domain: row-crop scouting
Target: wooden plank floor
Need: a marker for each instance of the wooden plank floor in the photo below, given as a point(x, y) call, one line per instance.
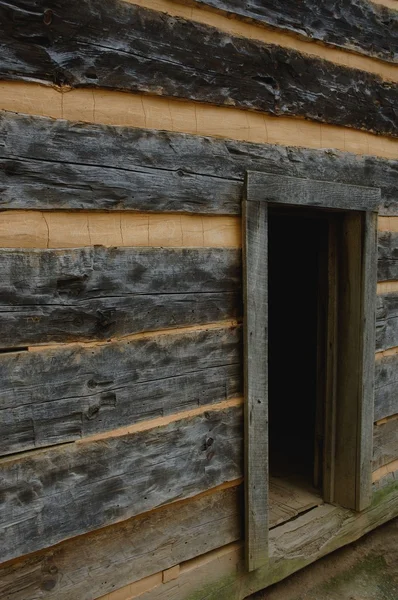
point(289, 497)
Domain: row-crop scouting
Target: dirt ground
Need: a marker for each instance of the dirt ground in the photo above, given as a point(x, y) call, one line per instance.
point(365, 570)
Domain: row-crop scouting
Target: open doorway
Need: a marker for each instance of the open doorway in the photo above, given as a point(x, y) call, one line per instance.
point(309, 257)
point(298, 250)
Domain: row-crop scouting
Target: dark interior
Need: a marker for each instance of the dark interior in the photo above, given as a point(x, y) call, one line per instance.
point(297, 246)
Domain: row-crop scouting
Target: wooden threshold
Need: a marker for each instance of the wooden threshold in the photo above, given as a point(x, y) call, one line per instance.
point(290, 497)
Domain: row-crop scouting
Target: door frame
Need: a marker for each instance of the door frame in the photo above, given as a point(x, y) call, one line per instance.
point(350, 371)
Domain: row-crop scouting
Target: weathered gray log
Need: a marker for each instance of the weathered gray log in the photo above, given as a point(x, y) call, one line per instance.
point(107, 559)
point(387, 321)
point(97, 293)
point(385, 443)
point(388, 256)
point(386, 387)
point(63, 394)
point(351, 24)
point(41, 184)
point(126, 47)
point(51, 495)
point(47, 164)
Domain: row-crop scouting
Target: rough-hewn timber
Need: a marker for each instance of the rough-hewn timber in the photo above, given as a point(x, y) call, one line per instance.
point(98, 293)
point(350, 24)
point(47, 164)
point(387, 321)
point(126, 47)
point(60, 492)
point(386, 388)
point(107, 559)
point(62, 394)
point(388, 256)
point(385, 443)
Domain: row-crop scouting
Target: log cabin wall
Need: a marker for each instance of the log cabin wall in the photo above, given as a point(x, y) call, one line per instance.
point(126, 130)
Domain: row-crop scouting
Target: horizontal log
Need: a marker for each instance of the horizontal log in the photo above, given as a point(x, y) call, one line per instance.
point(62, 394)
point(256, 30)
point(387, 321)
point(54, 494)
point(109, 558)
point(98, 293)
point(385, 443)
point(132, 48)
point(356, 25)
point(386, 386)
point(61, 165)
point(388, 256)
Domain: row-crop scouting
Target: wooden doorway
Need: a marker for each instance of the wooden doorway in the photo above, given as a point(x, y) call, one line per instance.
point(309, 343)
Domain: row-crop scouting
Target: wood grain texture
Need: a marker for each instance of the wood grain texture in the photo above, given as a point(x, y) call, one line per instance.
point(290, 498)
point(356, 25)
point(60, 165)
point(268, 187)
point(386, 386)
point(130, 48)
point(388, 256)
point(387, 321)
point(109, 558)
point(58, 395)
point(98, 293)
point(385, 443)
point(54, 494)
point(255, 301)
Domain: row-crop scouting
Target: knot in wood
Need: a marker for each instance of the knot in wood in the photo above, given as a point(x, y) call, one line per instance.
point(48, 16)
